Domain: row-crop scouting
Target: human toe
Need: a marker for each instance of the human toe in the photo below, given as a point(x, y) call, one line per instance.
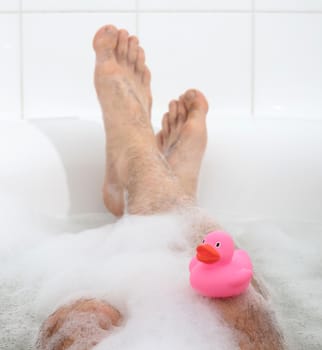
point(165, 125)
point(122, 44)
point(195, 100)
point(173, 113)
point(133, 49)
point(140, 61)
point(105, 40)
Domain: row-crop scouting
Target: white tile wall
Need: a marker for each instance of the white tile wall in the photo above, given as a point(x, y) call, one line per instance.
point(191, 51)
point(288, 74)
point(289, 5)
point(258, 58)
point(198, 5)
point(78, 5)
point(9, 5)
point(59, 61)
point(9, 67)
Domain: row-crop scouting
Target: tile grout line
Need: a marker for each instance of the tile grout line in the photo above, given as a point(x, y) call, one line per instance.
point(252, 61)
point(137, 17)
point(200, 11)
point(21, 65)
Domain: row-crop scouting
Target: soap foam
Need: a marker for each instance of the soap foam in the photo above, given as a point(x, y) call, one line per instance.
point(287, 256)
point(139, 265)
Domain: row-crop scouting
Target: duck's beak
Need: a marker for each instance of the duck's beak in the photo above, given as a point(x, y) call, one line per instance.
point(207, 254)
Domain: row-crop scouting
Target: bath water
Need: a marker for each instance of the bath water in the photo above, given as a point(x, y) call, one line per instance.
point(140, 266)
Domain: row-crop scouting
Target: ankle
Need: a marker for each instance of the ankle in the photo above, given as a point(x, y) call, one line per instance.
point(132, 156)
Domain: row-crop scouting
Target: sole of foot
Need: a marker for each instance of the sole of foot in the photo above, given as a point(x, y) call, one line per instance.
point(122, 82)
point(183, 137)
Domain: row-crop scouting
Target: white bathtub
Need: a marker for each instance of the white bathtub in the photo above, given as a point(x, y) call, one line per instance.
point(255, 170)
point(261, 179)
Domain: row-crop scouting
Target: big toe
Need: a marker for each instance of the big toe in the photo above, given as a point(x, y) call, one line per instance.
point(105, 40)
point(195, 100)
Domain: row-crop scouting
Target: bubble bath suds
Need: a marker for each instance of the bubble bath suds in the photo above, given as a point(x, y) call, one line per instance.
point(140, 265)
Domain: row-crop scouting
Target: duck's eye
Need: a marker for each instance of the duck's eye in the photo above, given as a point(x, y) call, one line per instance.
point(218, 244)
point(203, 241)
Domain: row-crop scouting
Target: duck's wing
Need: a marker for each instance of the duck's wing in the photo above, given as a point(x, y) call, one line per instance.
point(241, 258)
point(241, 277)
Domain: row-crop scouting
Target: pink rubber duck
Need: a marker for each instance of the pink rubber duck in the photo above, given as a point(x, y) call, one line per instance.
point(218, 270)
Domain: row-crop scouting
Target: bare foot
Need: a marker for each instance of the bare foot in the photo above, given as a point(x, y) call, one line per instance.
point(183, 138)
point(82, 325)
point(122, 83)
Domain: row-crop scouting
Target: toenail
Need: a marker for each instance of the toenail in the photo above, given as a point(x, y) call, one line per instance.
point(109, 29)
point(191, 94)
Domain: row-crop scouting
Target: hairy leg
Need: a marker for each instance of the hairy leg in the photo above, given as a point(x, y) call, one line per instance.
point(250, 314)
point(253, 319)
point(134, 162)
point(182, 140)
point(82, 324)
